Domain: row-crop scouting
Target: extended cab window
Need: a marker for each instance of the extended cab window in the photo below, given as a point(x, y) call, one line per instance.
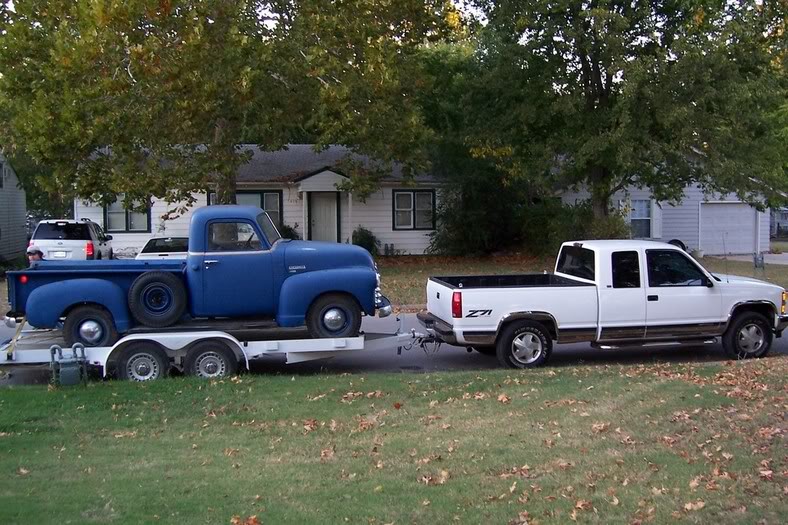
point(232, 237)
point(672, 268)
point(626, 269)
point(576, 261)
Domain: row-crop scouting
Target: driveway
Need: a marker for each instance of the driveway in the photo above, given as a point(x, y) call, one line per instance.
point(768, 258)
point(449, 357)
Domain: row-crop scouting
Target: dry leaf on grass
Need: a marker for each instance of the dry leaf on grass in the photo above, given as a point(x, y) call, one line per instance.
point(310, 425)
point(694, 505)
point(22, 471)
point(435, 479)
point(583, 504)
point(600, 427)
point(327, 453)
point(503, 398)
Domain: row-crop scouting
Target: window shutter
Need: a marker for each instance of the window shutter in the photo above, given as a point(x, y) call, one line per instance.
point(656, 220)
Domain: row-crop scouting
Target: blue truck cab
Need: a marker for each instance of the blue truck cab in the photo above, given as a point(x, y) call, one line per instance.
point(238, 267)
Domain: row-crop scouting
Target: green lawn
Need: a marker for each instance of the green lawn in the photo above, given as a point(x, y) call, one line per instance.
point(781, 246)
point(693, 443)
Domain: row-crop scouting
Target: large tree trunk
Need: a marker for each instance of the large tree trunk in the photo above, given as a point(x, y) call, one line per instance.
point(226, 162)
point(599, 184)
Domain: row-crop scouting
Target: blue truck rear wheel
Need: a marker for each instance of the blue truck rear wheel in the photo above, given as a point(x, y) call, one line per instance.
point(157, 299)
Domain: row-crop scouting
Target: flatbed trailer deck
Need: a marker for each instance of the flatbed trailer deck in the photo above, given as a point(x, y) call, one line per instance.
point(144, 356)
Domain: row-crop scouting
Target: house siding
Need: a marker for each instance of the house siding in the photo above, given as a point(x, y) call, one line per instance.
point(681, 221)
point(13, 215)
point(375, 214)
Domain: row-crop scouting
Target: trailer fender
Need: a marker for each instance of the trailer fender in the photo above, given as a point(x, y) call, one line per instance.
point(47, 304)
point(299, 291)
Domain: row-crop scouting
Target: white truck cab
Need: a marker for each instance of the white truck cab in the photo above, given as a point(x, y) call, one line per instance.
point(611, 293)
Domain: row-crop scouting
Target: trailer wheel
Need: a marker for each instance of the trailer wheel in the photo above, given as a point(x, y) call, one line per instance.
point(334, 315)
point(142, 361)
point(157, 299)
point(524, 344)
point(749, 335)
point(91, 326)
point(211, 359)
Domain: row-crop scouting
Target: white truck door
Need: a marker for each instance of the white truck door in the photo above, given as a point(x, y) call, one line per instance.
point(681, 300)
point(622, 297)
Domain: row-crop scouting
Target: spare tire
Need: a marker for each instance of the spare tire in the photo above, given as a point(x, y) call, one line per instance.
point(157, 299)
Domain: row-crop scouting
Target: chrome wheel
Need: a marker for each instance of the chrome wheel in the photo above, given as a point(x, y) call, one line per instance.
point(210, 364)
point(143, 367)
point(751, 338)
point(334, 319)
point(91, 331)
point(527, 347)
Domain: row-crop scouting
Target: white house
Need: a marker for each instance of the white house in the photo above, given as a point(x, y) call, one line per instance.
point(13, 214)
point(298, 188)
point(717, 225)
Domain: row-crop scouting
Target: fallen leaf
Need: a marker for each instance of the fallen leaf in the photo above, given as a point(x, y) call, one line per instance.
point(327, 453)
point(230, 452)
point(310, 425)
point(600, 427)
point(583, 504)
point(696, 505)
point(766, 475)
point(503, 398)
point(614, 501)
point(22, 471)
point(397, 405)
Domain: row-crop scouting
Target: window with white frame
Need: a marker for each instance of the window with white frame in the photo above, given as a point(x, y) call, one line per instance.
point(119, 219)
point(270, 201)
point(640, 218)
point(414, 210)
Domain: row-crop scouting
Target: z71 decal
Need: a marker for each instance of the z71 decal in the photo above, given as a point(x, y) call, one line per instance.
point(479, 313)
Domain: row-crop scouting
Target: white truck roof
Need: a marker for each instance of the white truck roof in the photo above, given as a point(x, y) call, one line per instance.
point(622, 244)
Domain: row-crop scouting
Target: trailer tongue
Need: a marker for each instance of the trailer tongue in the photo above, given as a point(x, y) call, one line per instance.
point(147, 356)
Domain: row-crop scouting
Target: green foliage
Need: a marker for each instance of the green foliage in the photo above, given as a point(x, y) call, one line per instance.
point(42, 202)
point(549, 223)
point(289, 232)
point(151, 98)
point(366, 239)
point(652, 94)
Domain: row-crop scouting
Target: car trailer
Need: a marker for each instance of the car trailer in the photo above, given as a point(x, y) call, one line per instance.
point(145, 356)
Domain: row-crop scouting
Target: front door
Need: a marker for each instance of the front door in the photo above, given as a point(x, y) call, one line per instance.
point(324, 216)
point(237, 278)
point(681, 301)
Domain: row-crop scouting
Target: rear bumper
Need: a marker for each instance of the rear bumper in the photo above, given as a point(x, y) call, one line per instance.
point(12, 319)
point(437, 327)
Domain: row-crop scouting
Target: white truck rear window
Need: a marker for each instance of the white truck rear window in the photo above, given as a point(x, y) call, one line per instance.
point(577, 261)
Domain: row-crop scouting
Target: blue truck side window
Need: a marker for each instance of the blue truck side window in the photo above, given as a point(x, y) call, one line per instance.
point(232, 237)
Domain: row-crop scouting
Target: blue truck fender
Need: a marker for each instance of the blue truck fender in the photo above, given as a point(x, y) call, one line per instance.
point(300, 290)
point(47, 304)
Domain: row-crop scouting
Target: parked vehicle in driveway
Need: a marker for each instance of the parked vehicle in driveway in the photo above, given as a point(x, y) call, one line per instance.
point(611, 294)
point(165, 248)
point(66, 239)
point(237, 268)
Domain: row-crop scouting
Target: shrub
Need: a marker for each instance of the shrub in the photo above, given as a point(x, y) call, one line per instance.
point(366, 239)
point(289, 232)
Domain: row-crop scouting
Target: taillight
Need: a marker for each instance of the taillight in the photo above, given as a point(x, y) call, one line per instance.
point(89, 250)
point(456, 305)
point(23, 279)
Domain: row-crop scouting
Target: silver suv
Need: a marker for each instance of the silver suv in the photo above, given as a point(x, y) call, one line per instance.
point(62, 239)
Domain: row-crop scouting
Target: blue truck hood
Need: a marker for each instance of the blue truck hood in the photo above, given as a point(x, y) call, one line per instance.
point(308, 256)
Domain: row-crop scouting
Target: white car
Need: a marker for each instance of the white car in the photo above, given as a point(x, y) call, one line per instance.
point(611, 294)
point(68, 239)
point(165, 248)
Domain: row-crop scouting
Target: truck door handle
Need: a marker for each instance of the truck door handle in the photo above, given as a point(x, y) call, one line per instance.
point(210, 262)
point(653, 297)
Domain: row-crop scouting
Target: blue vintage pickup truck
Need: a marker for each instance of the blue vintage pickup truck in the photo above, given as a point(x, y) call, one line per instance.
point(238, 267)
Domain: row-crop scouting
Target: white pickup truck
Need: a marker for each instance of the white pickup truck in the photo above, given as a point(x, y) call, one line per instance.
point(611, 294)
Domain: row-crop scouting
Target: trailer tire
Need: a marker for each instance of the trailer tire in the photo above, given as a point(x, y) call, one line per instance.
point(334, 315)
point(210, 360)
point(91, 326)
point(142, 361)
point(749, 335)
point(157, 299)
point(524, 344)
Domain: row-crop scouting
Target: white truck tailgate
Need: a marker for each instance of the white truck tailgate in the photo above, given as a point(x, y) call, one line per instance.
point(439, 300)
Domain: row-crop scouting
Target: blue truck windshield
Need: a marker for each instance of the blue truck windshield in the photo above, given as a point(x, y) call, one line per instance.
point(269, 230)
